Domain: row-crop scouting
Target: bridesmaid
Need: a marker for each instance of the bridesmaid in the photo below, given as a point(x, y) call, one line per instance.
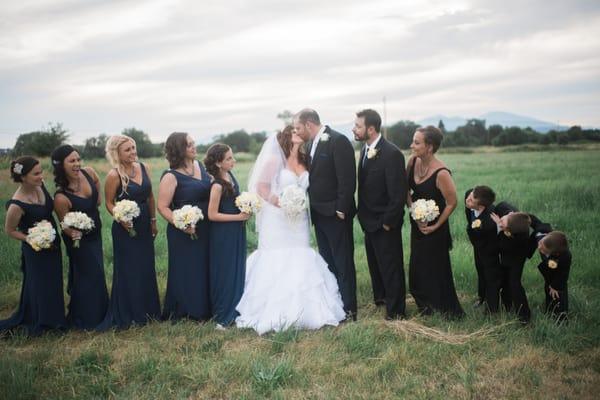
point(41, 306)
point(134, 294)
point(185, 183)
point(430, 273)
point(227, 236)
point(78, 189)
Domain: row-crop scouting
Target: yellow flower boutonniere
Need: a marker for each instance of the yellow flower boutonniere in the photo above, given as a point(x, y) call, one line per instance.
point(372, 153)
point(507, 234)
point(476, 224)
point(324, 137)
point(552, 264)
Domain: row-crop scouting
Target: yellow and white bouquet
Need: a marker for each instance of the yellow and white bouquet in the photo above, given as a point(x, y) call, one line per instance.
point(41, 235)
point(248, 203)
point(77, 220)
point(293, 202)
point(424, 211)
point(126, 211)
point(186, 217)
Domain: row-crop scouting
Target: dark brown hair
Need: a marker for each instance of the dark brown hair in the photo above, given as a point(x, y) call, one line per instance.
point(216, 154)
point(175, 148)
point(371, 117)
point(58, 165)
point(26, 165)
point(518, 223)
point(284, 138)
point(484, 195)
point(556, 242)
point(432, 136)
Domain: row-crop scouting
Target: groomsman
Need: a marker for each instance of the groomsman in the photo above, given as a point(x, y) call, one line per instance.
point(332, 183)
point(382, 193)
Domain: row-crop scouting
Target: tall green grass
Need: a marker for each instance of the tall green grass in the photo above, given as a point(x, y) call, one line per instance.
point(366, 359)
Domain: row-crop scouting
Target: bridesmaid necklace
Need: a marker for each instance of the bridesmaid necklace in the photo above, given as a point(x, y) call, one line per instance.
point(184, 168)
point(132, 175)
point(422, 174)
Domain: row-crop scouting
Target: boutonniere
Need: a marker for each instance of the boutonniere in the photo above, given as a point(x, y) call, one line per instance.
point(372, 153)
point(507, 234)
point(324, 137)
point(476, 224)
point(552, 264)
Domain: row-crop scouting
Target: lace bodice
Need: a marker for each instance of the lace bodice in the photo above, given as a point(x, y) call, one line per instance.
point(288, 177)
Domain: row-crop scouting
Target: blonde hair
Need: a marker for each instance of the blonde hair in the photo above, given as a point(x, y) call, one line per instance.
point(112, 155)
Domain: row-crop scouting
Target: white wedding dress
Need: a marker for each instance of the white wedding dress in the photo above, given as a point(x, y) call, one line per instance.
point(288, 283)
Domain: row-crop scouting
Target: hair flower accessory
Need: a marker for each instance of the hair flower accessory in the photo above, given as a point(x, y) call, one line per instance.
point(372, 152)
point(324, 137)
point(55, 162)
point(18, 168)
point(552, 264)
point(476, 224)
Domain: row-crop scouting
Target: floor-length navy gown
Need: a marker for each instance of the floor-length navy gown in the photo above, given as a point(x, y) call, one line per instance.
point(227, 261)
point(87, 284)
point(430, 273)
point(42, 305)
point(187, 293)
point(134, 294)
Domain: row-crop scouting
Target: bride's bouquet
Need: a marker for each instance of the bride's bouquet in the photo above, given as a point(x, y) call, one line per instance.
point(293, 202)
point(126, 211)
point(424, 211)
point(186, 217)
point(248, 203)
point(41, 235)
point(77, 220)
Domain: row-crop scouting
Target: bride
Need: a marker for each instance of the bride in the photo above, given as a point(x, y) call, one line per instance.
point(287, 283)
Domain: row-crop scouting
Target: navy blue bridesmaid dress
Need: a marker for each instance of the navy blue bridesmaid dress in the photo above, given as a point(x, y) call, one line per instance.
point(227, 261)
point(187, 293)
point(134, 294)
point(42, 304)
point(86, 284)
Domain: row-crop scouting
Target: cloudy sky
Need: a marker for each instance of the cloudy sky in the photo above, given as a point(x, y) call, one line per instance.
point(208, 67)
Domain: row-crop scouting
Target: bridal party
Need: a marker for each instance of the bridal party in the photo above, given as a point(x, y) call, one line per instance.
point(307, 179)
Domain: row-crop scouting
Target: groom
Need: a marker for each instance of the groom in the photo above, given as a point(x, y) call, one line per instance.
point(382, 191)
point(332, 182)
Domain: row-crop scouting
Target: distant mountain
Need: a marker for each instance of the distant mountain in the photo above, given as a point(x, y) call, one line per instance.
point(495, 118)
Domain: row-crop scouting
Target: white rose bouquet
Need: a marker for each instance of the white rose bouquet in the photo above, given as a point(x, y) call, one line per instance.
point(41, 235)
point(77, 220)
point(248, 203)
point(187, 216)
point(126, 211)
point(424, 211)
point(293, 202)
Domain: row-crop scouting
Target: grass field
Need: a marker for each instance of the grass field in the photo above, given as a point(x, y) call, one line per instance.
point(478, 357)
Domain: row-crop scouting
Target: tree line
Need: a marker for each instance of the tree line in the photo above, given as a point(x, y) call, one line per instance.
point(474, 133)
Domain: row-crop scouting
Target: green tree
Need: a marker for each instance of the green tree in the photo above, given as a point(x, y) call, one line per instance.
point(401, 133)
point(442, 127)
point(41, 143)
point(94, 147)
point(144, 146)
point(286, 116)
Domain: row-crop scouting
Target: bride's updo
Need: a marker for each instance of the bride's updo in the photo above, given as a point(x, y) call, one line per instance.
point(284, 138)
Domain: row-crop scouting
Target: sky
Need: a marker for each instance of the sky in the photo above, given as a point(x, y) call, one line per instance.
point(209, 67)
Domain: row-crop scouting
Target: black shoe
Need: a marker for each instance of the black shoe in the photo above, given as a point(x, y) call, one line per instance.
point(380, 302)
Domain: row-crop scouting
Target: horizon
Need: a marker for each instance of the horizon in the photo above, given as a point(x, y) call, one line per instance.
point(175, 65)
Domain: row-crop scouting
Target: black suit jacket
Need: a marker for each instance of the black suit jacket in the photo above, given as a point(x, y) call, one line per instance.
point(557, 277)
point(332, 178)
point(485, 237)
point(382, 188)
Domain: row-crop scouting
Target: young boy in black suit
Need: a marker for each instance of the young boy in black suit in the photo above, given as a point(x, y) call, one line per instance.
point(483, 234)
point(555, 267)
point(516, 242)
